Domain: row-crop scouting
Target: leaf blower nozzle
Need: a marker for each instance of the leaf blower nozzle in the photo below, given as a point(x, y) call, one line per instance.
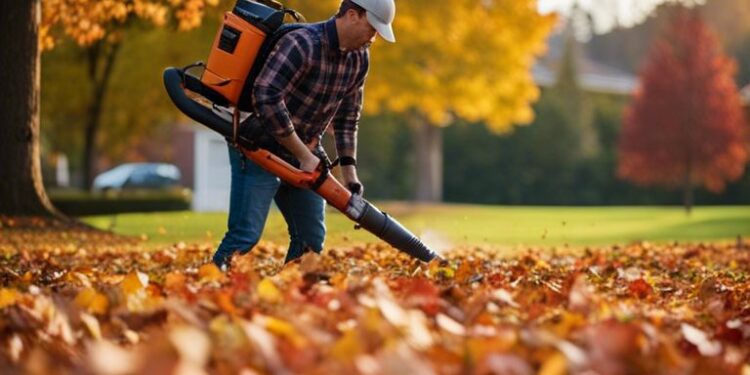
point(388, 229)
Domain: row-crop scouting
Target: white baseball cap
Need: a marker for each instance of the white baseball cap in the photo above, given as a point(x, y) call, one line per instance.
point(380, 14)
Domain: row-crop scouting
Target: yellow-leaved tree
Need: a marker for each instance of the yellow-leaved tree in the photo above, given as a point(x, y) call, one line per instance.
point(30, 26)
point(99, 27)
point(470, 59)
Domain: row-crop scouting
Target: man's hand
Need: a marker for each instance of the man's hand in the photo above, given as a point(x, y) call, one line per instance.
point(351, 181)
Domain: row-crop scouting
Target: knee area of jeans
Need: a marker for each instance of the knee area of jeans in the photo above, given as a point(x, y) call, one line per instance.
point(240, 230)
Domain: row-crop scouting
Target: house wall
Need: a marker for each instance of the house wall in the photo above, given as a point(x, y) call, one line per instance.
point(211, 171)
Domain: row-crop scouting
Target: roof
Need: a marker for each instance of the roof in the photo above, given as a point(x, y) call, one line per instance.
point(595, 81)
point(592, 75)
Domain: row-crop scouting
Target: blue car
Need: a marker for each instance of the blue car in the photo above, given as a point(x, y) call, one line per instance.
point(138, 176)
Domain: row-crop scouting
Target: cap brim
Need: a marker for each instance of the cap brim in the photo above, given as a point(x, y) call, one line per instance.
point(384, 29)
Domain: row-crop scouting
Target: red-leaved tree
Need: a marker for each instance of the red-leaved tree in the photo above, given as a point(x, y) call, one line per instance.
point(685, 127)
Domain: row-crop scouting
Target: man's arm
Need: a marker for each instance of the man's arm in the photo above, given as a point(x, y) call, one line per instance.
point(284, 67)
point(345, 123)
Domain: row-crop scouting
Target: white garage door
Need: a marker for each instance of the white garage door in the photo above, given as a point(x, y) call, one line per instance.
point(212, 173)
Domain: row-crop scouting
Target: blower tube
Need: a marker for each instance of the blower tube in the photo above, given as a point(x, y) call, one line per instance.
point(387, 229)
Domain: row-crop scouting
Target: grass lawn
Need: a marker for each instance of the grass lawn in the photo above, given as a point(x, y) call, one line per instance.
point(448, 225)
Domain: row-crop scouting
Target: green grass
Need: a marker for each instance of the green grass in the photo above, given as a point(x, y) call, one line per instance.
point(452, 225)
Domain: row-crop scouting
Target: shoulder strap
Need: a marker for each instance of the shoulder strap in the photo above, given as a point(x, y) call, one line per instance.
point(245, 102)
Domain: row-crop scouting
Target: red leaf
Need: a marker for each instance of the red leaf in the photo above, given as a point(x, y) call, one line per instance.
point(640, 288)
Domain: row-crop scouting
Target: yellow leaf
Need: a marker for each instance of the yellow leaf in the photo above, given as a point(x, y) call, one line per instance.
point(92, 301)
point(347, 347)
point(480, 347)
point(567, 323)
point(283, 328)
point(267, 291)
point(8, 297)
point(555, 364)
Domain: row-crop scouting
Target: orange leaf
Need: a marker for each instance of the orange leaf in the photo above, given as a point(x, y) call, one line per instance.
point(8, 297)
point(134, 282)
point(224, 301)
point(464, 272)
point(209, 272)
point(174, 281)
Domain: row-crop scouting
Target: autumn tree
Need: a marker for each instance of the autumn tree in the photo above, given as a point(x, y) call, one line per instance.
point(685, 127)
point(136, 110)
point(29, 24)
point(99, 29)
point(452, 58)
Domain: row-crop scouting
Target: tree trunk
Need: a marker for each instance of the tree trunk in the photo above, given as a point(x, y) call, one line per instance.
point(428, 142)
point(100, 59)
point(687, 188)
point(687, 193)
point(21, 188)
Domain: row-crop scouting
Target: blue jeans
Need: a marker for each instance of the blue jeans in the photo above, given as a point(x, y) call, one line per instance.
point(250, 198)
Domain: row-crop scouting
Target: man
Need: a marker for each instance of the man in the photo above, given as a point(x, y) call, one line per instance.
point(314, 77)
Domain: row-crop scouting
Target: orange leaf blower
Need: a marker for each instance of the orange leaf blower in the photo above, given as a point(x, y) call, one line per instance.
point(240, 48)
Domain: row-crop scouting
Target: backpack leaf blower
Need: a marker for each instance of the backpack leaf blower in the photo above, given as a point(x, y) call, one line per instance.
point(240, 48)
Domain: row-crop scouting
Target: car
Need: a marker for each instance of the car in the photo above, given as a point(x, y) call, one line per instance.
point(138, 176)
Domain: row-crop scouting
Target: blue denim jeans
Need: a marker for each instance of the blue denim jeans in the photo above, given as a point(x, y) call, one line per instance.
point(250, 198)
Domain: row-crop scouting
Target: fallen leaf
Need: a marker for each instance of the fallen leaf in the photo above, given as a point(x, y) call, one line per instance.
point(134, 282)
point(92, 301)
point(92, 325)
point(8, 297)
point(700, 339)
point(209, 272)
point(268, 292)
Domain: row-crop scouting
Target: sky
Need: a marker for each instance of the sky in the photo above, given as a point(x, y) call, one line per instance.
point(605, 14)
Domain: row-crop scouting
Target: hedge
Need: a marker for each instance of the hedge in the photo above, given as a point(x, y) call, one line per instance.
point(79, 203)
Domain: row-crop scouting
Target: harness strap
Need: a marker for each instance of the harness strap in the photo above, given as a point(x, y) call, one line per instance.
point(235, 125)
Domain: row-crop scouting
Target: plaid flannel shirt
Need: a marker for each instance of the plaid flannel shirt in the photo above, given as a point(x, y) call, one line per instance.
point(308, 83)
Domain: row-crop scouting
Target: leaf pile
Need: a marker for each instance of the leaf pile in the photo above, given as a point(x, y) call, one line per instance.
point(96, 305)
